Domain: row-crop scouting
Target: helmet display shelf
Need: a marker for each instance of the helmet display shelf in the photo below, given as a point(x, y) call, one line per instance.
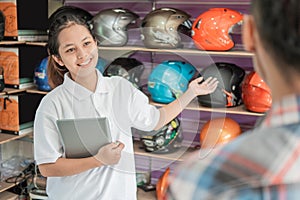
point(122, 48)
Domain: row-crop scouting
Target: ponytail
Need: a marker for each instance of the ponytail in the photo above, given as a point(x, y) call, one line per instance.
point(55, 73)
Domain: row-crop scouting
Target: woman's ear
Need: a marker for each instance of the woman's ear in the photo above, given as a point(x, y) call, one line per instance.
point(58, 60)
point(248, 33)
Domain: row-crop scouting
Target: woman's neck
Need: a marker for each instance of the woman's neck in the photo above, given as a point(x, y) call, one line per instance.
point(89, 83)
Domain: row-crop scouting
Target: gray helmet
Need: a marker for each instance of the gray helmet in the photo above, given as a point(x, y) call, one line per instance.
point(159, 28)
point(129, 68)
point(110, 26)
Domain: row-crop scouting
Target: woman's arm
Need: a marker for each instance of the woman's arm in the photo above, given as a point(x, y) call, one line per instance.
point(171, 110)
point(109, 154)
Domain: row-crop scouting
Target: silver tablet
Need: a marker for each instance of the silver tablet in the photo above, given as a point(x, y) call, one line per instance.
point(83, 137)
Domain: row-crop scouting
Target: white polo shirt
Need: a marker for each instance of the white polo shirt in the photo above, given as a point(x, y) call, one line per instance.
point(124, 106)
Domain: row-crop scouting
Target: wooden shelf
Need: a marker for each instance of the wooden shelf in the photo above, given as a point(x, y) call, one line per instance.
point(142, 195)
point(5, 186)
point(178, 51)
point(11, 91)
point(141, 48)
point(8, 196)
point(12, 42)
point(194, 105)
point(36, 91)
point(5, 137)
point(43, 44)
point(178, 155)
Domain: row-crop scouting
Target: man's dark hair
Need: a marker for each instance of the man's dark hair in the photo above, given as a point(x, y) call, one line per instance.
point(278, 23)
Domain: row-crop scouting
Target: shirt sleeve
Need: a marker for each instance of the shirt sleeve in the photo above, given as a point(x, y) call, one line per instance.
point(47, 145)
point(143, 115)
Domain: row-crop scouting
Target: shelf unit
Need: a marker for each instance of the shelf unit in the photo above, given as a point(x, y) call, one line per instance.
point(5, 137)
point(113, 52)
point(182, 153)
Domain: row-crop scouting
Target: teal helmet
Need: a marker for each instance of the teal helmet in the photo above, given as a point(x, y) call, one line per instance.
point(169, 80)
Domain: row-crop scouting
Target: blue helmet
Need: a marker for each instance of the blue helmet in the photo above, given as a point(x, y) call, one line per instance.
point(101, 64)
point(169, 80)
point(40, 76)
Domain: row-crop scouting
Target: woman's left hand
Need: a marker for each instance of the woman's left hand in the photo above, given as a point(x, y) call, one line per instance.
point(206, 87)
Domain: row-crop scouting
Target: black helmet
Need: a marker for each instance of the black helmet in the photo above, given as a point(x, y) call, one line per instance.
point(110, 26)
point(228, 92)
point(70, 10)
point(160, 27)
point(165, 140)
point(129, 68)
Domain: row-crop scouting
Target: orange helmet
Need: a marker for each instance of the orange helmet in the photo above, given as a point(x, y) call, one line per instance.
point(162, 185)
point(256, 94)
point(211, 29)
point(219, 131)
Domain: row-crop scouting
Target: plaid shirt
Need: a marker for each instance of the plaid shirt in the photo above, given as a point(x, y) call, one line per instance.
point(260, 164)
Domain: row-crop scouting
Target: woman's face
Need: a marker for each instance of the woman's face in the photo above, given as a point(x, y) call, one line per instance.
point(77, 50)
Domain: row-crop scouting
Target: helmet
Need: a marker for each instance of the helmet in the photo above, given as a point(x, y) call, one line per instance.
point(110, 26)
point(211, 29)
point(129, 68)
point(219, 131)
point(159, 28)
point(101, 64)
point(256, 93)
point(70, 10)
point(228, 92)
point(169, 80)
point(40, 76)
point(162, 185)
point(165, 140)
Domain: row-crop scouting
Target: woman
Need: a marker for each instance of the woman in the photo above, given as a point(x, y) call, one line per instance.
point(80, 91)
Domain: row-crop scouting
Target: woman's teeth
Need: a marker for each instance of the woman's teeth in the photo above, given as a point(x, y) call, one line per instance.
point(84, 63)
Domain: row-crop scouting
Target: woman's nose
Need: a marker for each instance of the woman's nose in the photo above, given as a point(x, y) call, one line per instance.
point(80, 53)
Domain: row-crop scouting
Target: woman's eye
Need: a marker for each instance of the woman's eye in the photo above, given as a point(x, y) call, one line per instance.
point(70, 50)
point(87, 43)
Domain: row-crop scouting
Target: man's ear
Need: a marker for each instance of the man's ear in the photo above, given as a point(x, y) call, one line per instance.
point(58, 60)
point(248, 33)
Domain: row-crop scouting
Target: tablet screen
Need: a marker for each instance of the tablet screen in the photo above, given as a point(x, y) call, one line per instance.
point(83, 137)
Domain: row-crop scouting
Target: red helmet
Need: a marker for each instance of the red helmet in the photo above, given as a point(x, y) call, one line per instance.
point(256, 94)
point(211, 29)
point(219, 131)
point(162, 185)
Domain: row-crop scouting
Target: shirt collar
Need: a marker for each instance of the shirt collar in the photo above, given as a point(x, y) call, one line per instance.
point(80, 92)
point(283, 112)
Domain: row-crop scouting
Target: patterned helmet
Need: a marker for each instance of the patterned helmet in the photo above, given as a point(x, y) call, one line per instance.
point(110, 26)
point(256, 94)
point(228, 92)
point(169, 80)
point(159, 28)
point(129, 68)
point(165, 140)
point(211, 29)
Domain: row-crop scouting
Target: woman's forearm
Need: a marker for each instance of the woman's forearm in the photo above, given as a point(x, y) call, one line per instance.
point(68, 167)
point(171, 110)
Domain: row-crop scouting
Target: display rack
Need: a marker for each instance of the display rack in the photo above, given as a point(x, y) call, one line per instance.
point(6, 137)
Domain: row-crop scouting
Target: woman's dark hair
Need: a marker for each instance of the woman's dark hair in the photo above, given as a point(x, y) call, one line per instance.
point(278, 25)
point(62, 18)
